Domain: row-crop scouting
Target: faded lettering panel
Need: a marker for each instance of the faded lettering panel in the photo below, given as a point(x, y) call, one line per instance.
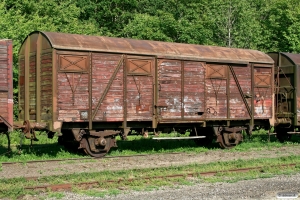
point(237, 106)
point(103, 68)
point(194, 90)
point(72, 95)
point(263, 92)
point(169, 96)
point(215, 92)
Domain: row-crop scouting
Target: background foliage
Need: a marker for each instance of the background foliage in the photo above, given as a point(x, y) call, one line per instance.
point(266, 25)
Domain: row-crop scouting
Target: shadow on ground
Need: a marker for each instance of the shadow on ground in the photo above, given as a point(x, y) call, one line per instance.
point(139, 145)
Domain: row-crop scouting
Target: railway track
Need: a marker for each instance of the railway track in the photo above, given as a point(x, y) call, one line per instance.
point(84, 158)
point(91, 184)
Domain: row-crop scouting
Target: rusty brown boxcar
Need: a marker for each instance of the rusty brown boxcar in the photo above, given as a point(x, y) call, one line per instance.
point(91, 88)
point(287, 94)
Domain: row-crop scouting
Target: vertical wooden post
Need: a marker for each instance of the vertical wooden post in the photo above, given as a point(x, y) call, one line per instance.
point(90, 114)
point(253, 96)
point(124, 125)
point(295, 84)
point(228, 95)
point(182, 90)
point(38, 78)
point(26, 79)
point(10, 117)
point(155, 95)
point(54, 88)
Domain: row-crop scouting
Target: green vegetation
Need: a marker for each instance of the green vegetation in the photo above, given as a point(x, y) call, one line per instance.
point(47, 148)
point(263, 25)
point(133, 179)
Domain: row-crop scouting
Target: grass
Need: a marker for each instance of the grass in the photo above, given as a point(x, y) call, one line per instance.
point(14, 188)
point(56, 195)
point(47, 148)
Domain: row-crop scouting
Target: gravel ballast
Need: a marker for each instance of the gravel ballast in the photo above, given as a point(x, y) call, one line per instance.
point(262, 188)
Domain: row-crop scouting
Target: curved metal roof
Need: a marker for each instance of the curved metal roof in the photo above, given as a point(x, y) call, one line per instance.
point(295, 58)
point(285, 59)
point(66, 41)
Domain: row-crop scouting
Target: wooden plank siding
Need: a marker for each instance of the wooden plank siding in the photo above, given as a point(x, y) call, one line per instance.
point(21, 88)
point(72, 95)
point(194, 90)
point(139, 84)
point(6, 84)
point(3, 78)
point(237, 107)
point(103, 67)
point(263, 92)
point(32, 86)
point(169, 94)
point(46, 85)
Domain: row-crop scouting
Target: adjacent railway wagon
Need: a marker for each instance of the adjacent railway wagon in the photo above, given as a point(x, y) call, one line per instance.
point(91, 88)
point(287, 94)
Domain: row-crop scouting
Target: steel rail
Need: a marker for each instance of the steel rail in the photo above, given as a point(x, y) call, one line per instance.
point(68, 186)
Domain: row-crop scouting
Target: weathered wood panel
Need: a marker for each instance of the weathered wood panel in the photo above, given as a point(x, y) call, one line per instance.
point(6, 84)
point(169, 98)
point(194, 90)
point(298, 95)
point(263, 92)
point(139, 88)
point(139, 98)
point(3, 75)
point(263, 104)
point(103, 67)
point(46, 86)
point(215, 94)
point(3, 66)
point(32, 86)
point(72, 95)
point(3, 104)
point(21, 88)
point(237, 106)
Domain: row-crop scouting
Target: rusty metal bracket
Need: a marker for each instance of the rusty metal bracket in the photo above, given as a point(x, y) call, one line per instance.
point(103, 133)
point(108, 86)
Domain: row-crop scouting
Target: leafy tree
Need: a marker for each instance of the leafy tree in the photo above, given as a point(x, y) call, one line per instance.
point(111, 16)
point(183, 22)
point(21, 17)
point(281, 22)
point(235, 23)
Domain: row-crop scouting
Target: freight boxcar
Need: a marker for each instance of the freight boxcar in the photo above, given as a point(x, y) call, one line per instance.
point(6, 87)
point(287, 98)
point(91, 88)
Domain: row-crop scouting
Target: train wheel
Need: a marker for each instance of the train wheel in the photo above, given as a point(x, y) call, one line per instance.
point(229, 140)
point(93, 150)
point(282, 135)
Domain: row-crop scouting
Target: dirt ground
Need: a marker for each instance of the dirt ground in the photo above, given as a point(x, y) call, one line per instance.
point(149, 161)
